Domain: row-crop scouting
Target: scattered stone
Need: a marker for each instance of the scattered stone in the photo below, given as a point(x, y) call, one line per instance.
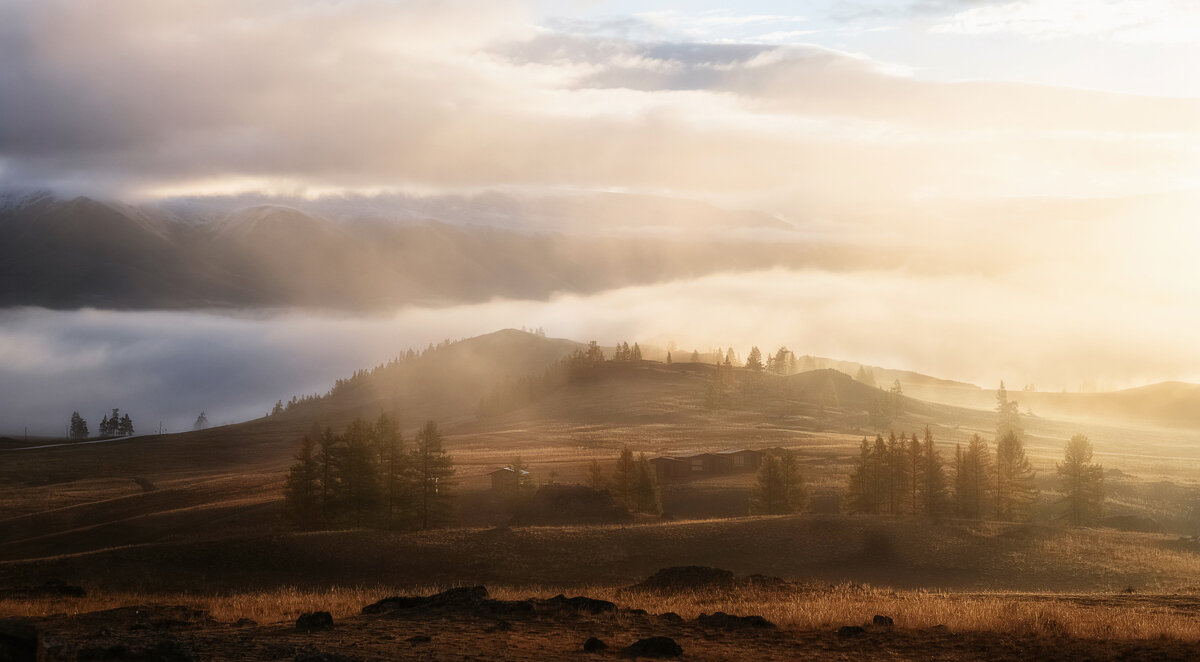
point(314, 621)
point(245, 623)
point(419, 639)
point(731, 622)
point(671, 617)
point(18, 640)
point(850, 631)
point(579, 603)
point(320, 656)
point(594, 645)
point(686, 577)
point(660, 647)
point(882, 621)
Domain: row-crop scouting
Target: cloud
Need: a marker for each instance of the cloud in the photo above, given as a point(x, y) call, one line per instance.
point(1133, 21)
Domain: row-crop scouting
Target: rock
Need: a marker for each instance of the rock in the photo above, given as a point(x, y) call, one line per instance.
point(314, 621)
point(660, 647)
point(850, 631)
point(245, 623)
point(455, 597)
point(686, 577)
point(18, 640)
point(579, 603)
point(671, 617)
point(419, 639)
point(319, 656)
point(731, 622)
point(882, 621)
point(594, 645)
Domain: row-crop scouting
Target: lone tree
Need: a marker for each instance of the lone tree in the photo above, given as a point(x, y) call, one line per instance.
point(1015, 491)
point(754, 360)
point(433, 470)
point(302, 491)
point(125, 427)
point(79, 427)
point(1082, 482)
point(201, 422)
point(779, 488)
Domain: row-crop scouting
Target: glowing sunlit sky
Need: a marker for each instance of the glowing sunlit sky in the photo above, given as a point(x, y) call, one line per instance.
point(1038, 159)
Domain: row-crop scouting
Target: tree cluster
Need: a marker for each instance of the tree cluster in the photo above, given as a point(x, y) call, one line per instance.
point(368, 476)
point(79, 427)
point(899, 476)
point(633, 483)
point(116, 425)
point(624, 353)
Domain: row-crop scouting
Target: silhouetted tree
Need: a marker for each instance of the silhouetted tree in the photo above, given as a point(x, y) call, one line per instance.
point(201, 422)
point(1014, 488)
point(915, 464)
point(125, 427)
point(1082, 482)
point(595, 476)
point(972, 478)
point(396, 471)
point(695, 356)
point(934, 481)
point(645, 488)
point(779, 487)
point(1008, 415)
point(103, 429)
point(302, 490)
point(863, 496)
point(754, 360)
point(79, 427)
point(635, 354)
point(278, 408)
point(329, 462)
point(668, 358)
point(359, 470)
point(434, 470)
point(624, 478)
point(898, 473)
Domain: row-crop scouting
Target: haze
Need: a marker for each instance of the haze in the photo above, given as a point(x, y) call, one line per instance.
point(984, 190)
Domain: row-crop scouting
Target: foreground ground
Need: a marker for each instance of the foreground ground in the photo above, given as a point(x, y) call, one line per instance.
point(803, 622)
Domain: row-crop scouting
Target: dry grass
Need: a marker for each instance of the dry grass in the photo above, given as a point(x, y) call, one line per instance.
point(1084, 616)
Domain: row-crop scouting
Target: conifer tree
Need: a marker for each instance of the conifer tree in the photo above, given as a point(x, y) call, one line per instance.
point(898, 474)
point(668, 358)
point(934, 481)
point(695, 356)
point(972, 482)
point(302, 489)
point(329, 463)
point(779, 487)
point(595, 476)
point(1015, 491)
point(396, 470)
point(624, 478)
point(915, 460)
point(635, 354)
point(882, 473)
point(359, 470)
point(1008, 416)
point(645, 488)
point(103, 430)
point(79, 427)
point(754, 360)
point(434, 470)
point(201, 422)
point(862, 493)
point(1082, 482)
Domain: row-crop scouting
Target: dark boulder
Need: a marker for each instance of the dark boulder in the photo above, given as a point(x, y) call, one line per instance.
point(686, 577)
point(660, 647)
point(671, 617)
point(731, 622)
point(455, 597)
point(594, 645)
point(314, 621)
point(18, 640)
point(882, 621)
point(850, 631)
point(579, 604)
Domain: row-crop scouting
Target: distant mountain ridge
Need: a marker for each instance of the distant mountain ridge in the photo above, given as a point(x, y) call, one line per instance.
point(69, 253)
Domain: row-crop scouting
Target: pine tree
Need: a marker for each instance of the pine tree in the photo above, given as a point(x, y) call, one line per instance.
point(103, 430)
point(79, 427)
point(1014, 487)
point(201, 422)
point(125, 427)
point(862, 494)
point(359, 470)
point(960, 480)
point(434, 470)
point(1008, 416)
point(624, 478)
point(881, 476)
point(779, 487)
point(595, 476)
point(934, 481)
point(898, 473)
point(668, 358)
point(915, 474)
point(635, 354)
point(781, 360)
point(695, 356)
point(754, 361)
point(1082, 482)
point(865, 376)
point(645, 487)
point(972, 479)
point(278, 408)
point(329, 462)
point(302, 490)
point(396, 471)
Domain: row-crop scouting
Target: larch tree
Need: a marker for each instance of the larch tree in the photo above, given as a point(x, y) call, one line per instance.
point(302, 489)
point(1082, 482)
point(1015, 491)
point(359, 470)
point(916, 474)
point(754, 360)
point(862, 489)
point(434, 470)
point(934, 480)
point(898, 476)
point(635, 354)
point(624, 477)
point(779, 486)
point(973, 479)
point(646, 497)
point(79, 427)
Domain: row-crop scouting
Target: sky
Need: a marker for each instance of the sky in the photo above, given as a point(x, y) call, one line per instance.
point(1039, 159)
